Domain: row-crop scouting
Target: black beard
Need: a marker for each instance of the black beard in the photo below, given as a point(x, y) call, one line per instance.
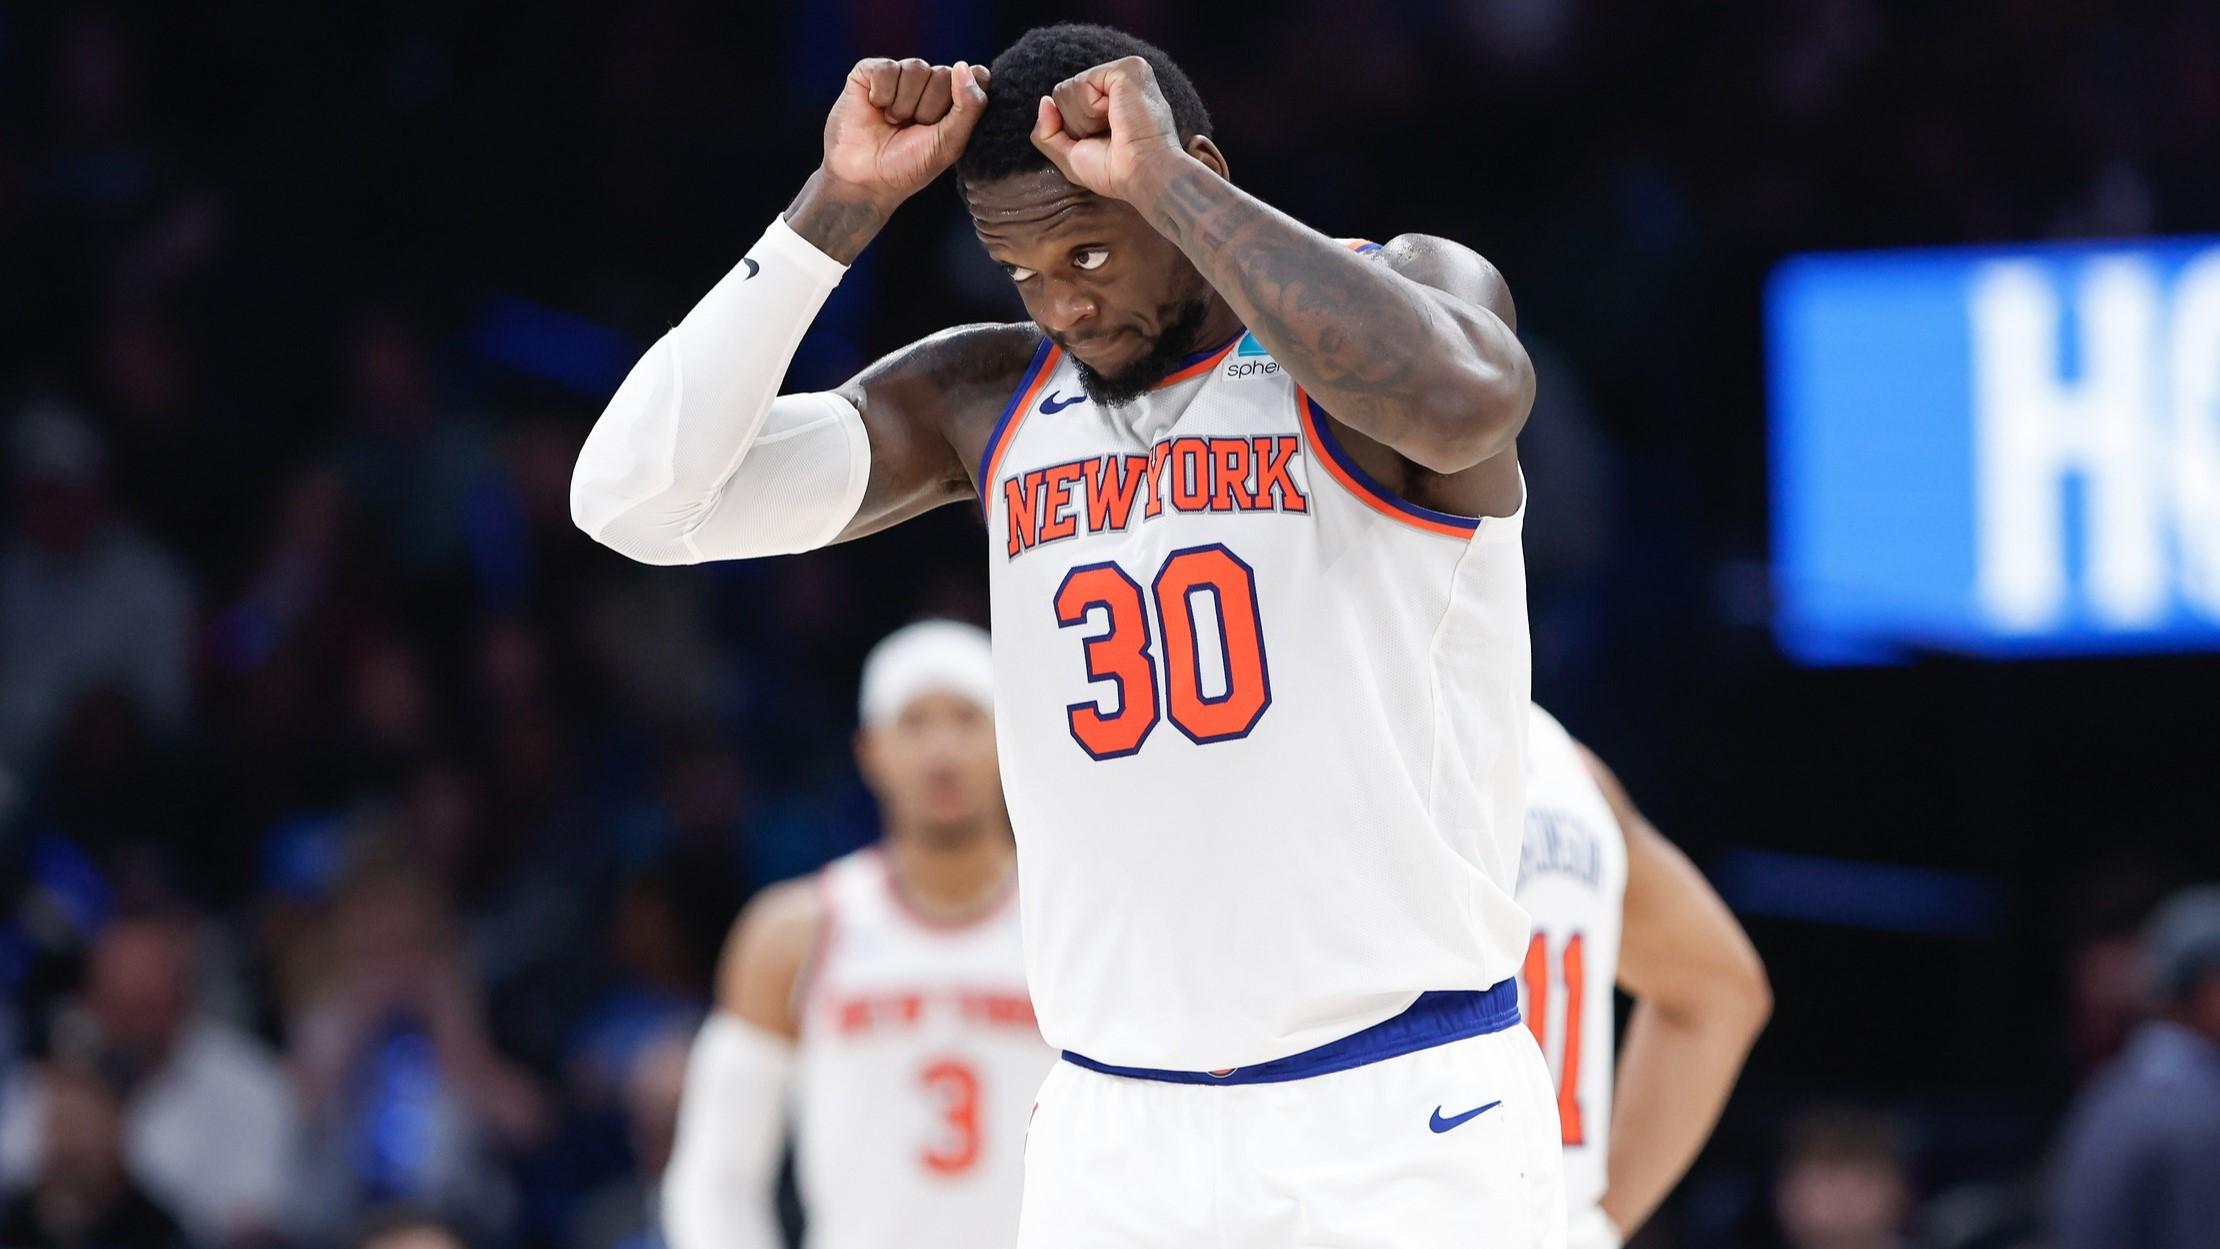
point(1173, 346)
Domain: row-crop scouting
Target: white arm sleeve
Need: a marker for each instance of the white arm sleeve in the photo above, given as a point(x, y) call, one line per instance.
point(720, 1190)
point(1591, 1228)
point(694, 459)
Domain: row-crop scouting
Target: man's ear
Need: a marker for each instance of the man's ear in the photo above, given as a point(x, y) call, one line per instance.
point(866, 758)
point(1201, 148)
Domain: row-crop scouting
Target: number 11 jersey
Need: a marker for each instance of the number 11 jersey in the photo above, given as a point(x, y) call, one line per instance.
point(1262, 723)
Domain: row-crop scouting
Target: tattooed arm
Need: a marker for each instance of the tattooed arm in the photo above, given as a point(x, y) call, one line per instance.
point(1431, 368)
point(1418, 354)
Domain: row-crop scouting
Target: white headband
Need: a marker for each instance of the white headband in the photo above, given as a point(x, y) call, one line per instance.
point(929, 657)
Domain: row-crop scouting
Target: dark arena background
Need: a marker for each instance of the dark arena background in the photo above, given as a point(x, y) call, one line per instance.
point(310, 692)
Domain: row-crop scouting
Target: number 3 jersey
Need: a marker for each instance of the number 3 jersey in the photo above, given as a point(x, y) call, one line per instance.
point(917, 1067)
point(1262, 723)
point(1572, 879)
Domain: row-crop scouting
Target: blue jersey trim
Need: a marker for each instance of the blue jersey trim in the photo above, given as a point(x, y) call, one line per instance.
point(1434, 1019)
point(1348, 464)
point(1198, 357)
point(994, 437)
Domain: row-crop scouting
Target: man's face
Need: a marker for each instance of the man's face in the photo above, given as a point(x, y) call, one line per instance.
point(1823, 1202)
point(140, 987)
point(1118, 297)
point(933, 766)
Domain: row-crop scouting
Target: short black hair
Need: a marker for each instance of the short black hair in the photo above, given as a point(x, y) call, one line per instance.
point(1032, 67)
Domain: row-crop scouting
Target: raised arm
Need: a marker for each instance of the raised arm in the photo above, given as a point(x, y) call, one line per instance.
point(698, 457)
point(1417, 354)
point(1700, 1000)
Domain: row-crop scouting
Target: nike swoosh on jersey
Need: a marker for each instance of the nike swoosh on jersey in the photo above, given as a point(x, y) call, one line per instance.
point(1049, 402)
point(1440, 1124)
point(753, 267)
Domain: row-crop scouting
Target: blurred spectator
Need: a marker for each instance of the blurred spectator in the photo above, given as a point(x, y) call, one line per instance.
point(295, 574)
point(82, 1196)
point(87, 602)
point(407, 1230)
point(413, 461)
point(2139, 1158)
point(622, 1215)
point(1984, 1215)
point(407, 1096)
point(210, 1126)
point(655, 964)
point(2107, 993)
point(1842, 1183)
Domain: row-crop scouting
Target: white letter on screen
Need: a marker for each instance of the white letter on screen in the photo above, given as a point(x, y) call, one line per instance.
point(2032, 428)
point(2196, 451)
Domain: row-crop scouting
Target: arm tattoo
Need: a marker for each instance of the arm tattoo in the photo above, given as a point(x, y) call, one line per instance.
point(1362, 338)
point(836, 226)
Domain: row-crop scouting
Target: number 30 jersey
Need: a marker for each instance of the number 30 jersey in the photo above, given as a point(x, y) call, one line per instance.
point(917, 1065)
point(1262, 723)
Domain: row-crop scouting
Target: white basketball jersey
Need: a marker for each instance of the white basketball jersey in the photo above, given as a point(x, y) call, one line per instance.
point(1262, 724)
point(1572, 879)
point(917, 1068)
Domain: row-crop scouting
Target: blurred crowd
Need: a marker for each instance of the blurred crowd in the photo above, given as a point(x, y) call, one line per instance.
point(367, 834)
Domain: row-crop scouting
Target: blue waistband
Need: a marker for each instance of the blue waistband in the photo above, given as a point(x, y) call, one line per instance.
point(1434, 1019)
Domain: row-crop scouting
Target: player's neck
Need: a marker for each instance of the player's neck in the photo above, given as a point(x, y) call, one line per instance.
point(1222, 323)
point(951, 880)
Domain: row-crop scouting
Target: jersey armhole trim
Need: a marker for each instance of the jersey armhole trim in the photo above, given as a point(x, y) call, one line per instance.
point(812, 975)
point(1342, 467)
point(1045, 358)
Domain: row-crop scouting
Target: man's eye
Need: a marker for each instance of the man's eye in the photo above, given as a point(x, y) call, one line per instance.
point(1017, 274)
point(1090, 258)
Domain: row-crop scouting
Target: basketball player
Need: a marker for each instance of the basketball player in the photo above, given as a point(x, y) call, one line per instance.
point(883, 1000)
point(1253, 508)
point(1610, 895)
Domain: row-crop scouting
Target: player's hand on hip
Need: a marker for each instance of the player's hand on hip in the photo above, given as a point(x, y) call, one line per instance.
point(1102, 126)
point(898, 125)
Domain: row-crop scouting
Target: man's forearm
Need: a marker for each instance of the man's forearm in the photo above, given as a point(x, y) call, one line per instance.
point(1675, 1071)
point(838, 221)
point(1390, 357)
point(719, 1189)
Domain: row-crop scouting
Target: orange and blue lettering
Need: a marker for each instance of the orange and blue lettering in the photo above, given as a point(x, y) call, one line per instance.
point(1274, 486)
point(1229, 474)
point(1190, 474)
point(1159, 456)
point(1108, 506)
point(1057, 520)
point(1184, 474)
point(1019, 497)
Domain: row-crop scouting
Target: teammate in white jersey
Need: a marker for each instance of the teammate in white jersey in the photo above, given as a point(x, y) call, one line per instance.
point(1253, 508)
point(1613, 900)
point(879, 1005)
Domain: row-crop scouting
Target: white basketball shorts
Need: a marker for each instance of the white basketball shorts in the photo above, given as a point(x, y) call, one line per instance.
point(1436, 1128)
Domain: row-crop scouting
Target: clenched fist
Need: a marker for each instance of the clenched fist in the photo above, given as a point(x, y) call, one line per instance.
point(898, 124)
point(1100, 127)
